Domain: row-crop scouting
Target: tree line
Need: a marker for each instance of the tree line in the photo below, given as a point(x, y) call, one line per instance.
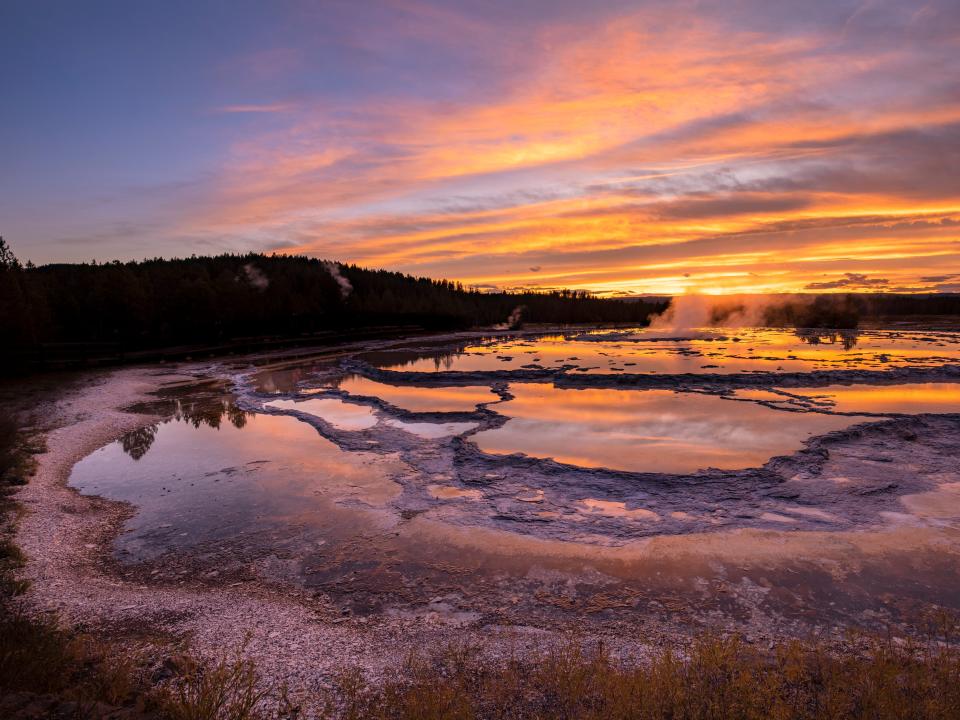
point(844, 311)
point(203, 300)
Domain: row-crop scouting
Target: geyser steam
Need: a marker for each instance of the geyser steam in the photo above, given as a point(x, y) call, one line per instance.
point(255, 277)
point(334, 269)
point(689, 312)
point(514, 320)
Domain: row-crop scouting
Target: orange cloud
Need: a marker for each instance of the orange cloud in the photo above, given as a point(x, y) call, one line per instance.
point(653, 152)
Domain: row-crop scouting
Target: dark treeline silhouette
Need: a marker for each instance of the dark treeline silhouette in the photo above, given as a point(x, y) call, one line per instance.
point(61, 314)
point(884, 305)
point(821, 311)
point(835, 311)
point(213, 300)
point(846, 311)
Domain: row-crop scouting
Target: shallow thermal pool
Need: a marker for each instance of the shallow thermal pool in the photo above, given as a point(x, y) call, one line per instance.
point(906, 398)
point(202, 479)
point(340, 414)
point(633, 430)
point(409, 491)
point(420, 399)
point(703, 351)
point(648, 430)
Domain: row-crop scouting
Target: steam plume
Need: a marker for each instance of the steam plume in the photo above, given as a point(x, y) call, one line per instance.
point(514, 321)
point(688, 314)
point(255, 277)
point(334, 269)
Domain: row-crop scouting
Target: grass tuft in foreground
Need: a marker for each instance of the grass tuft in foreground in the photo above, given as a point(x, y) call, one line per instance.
point(16, 465)
point(719, 678)
point(229, 689)
point(46, 671)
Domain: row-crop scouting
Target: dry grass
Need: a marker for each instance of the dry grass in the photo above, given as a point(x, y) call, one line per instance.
point(17, 450)
point(16, 465)
point(720, 678)
point(226, 690)
point(69, 674)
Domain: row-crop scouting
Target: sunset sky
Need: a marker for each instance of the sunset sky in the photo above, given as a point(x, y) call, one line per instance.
point(622, 147)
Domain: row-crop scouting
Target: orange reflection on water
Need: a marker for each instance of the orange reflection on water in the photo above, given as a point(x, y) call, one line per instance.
point(422, 399)
point(702, 350)
point(197, 483)
point(345, 416)
point(648, 430)
point(909, 398)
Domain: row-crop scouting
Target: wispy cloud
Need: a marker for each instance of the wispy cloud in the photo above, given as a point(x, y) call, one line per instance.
point(849, 281)
point(268, 108)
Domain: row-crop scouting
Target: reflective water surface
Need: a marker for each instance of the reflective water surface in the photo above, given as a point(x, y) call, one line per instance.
point(401, 494)
point(194, 484)
point(421, 399)
point(906, 398)
point(648, 430)
point(700, 351)
point(340, 414)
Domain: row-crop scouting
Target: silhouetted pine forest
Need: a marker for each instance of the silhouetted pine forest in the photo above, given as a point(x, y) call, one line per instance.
point(210, 300)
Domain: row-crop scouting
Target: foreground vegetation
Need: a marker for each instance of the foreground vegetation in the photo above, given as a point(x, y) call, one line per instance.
point(50, 673)
point(719, 678)
point(16, 465)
